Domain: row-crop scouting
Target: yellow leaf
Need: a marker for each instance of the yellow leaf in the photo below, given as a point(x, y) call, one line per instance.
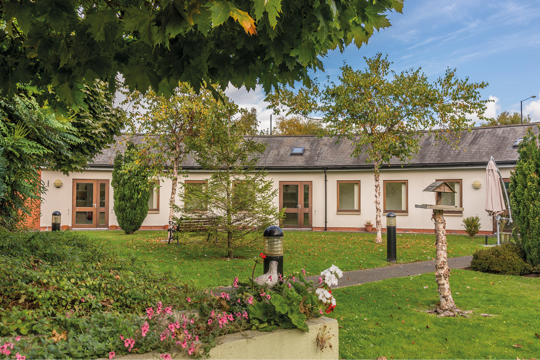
point(57, 337)
point(245, 20)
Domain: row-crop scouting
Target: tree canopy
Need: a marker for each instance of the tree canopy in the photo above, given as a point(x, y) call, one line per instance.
point(61, 44)
point(247, 123)
point(507, 118)
point(298, 125)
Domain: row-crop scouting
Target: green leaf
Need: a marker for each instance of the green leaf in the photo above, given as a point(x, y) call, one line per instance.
point(298, 319)
point(273, 8)
point(259, 8)
point(279, 303)
point(256, 311)
point(221, 11)
point(305, 52)
point(20, 11)
point(201, 18)
point(140, 20)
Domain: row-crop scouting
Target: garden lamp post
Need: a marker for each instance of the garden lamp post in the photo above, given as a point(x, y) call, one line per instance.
point(391, 252)
point(273, 248)
point(530, 97)
point(56, 221)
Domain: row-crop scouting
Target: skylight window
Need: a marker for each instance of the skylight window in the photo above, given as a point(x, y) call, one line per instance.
point(297, 151)
point(517, 142)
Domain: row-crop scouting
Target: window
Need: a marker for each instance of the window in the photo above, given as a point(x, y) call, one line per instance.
point(507, 227)
point(348, 194)
point(452, 199)
point(153, 201)
point(395, 196)
point(192, 201)
point(297, 151)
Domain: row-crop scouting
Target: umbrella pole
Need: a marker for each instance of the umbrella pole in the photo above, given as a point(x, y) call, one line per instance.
point(498, 217)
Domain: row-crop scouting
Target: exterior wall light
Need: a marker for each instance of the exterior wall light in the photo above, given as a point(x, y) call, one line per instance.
point(58, 183)
point(476, 184)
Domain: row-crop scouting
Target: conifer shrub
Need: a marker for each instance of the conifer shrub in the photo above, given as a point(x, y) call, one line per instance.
point(506, 259)
point(472, 225)
point(525, 198)
point(131, 184)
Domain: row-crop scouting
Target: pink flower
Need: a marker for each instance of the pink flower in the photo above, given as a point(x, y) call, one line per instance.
point(235, 283)
point(293, 279)
point(159, 305)
point(239, 301)
point(122, 337)
point(68, 314)
point(320, 280)
point(20, 357)
point(210, 321)
point(171, 327)
point(212, 313)
point(280, 277)
point(197, 338)
point(150, 312)
point(177, 324)
point(111, 355)
point(166, 356)
point(82, 299)
point(164, 335)
point(289, 285)
point(18, 338)
point(230, 316)
point(245, 314)
point(270, 277)
point(145, 328)
point(188, 299)
point(250, 300)
point(268, 296)
point(304, 272)
point(320, 311)
point(168, 310)
point(262, 295)
point(191, 350)
point(129, 343)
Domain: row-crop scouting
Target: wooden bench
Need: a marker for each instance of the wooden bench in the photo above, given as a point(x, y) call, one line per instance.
point(193, 224)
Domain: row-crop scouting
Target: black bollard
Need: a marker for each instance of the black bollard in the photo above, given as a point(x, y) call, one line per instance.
point(56, 221)
point(273, 248)
point(391, 252)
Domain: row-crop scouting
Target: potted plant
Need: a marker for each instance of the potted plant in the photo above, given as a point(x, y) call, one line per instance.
point(368, 225)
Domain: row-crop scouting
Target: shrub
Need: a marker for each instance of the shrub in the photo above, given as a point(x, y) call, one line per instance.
point(130, 181)
point(506, 259)
point(525, 198)
point(472, 225)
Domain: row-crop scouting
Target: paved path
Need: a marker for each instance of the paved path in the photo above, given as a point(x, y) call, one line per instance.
point(358, 277)
point(351, 278)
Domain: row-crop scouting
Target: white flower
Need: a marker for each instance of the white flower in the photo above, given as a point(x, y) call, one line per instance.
point(333, 301)
point(331, 280)
point(334, 269)
point(324, 295)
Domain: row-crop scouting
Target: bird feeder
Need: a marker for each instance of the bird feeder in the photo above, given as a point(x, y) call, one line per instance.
point(273, 248)
point(446, 305)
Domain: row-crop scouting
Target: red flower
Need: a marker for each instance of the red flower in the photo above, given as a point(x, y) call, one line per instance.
point(263, 256)
point(330, 308)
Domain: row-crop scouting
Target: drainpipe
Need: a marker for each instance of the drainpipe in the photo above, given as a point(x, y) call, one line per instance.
point(325, 201)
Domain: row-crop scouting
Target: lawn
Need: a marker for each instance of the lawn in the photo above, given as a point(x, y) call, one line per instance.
point(205, 264)
point(388, 318)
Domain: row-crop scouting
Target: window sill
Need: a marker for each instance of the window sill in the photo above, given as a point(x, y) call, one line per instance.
point(153, 211)
point(348, 213)
point(397, 213)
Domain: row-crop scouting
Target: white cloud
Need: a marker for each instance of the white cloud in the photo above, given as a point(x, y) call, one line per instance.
point(493, 107)
point(533, 109)
point(252, 99)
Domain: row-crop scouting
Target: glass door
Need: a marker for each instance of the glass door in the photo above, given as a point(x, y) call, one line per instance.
point(90, 204)
point(295, 198)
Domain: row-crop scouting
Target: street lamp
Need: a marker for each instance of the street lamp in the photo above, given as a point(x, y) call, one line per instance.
point(530, 97)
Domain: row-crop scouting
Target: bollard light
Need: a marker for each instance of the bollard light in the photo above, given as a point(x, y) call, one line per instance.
point(56, 221)
point(391, 253)
point(273, 248)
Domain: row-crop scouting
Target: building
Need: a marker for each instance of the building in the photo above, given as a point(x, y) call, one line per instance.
point(320, 184)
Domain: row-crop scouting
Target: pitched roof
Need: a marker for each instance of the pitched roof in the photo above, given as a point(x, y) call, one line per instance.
point(474, 148)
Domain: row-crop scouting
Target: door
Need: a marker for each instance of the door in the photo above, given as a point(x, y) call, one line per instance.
point(295, 197)
point(90, 204)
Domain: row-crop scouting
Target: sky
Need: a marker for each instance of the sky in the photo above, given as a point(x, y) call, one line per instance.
point(495, 41)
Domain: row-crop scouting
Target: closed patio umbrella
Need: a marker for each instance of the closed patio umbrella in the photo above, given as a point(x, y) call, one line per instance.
point(494, 197)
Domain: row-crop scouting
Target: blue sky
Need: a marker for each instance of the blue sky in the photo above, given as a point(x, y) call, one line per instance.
point(495, 41)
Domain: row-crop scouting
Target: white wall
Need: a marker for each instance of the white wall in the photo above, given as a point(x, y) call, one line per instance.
point(473, 200)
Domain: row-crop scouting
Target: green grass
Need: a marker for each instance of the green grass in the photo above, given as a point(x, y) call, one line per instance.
point(205, 264)
point(388, 318)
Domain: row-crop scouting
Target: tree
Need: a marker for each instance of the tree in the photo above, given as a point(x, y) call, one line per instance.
point(507, 118)
point(239, 197)
point(247, 123)
point(32, 136)
point(167, 123)
point(298, 125)
point(525, 198)
point(159, 43)
point(131, 184)
point(383, 112)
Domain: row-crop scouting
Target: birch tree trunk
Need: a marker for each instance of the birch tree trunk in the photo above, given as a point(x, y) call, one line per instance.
point(378, 211)
point(173, 190)
point(447, 306)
